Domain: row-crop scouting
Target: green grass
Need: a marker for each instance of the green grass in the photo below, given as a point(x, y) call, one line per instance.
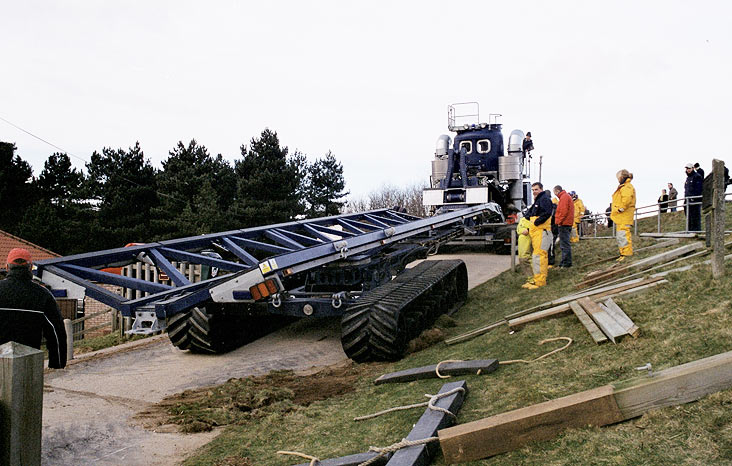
point(687, 319)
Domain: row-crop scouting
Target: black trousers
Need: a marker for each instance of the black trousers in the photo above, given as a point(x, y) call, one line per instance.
point(565, 232)
point(694, 214)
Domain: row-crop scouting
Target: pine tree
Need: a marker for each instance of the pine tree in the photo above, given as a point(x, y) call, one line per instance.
point(16, 190)
point(325, 187)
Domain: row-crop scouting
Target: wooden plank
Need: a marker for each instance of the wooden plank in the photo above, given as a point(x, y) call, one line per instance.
point(621, 318)
point(481, 366)
point(474, 333)
point(668, 235)
point(600, 406)
point(513, 429)
point(676, 385)
point(428, 425)
point(638, 287)
point(662, 244)
point(589, 324)
point(607, 324)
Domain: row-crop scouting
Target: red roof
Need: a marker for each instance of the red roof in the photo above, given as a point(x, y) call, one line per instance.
point(8, 242)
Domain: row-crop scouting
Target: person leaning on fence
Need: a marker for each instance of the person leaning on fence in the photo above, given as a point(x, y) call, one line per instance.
point(672, 195)
point(692, 193)
point(623, 211)
point(22, 301)
point(539, 215)
point(564, 218)
point(663, 202)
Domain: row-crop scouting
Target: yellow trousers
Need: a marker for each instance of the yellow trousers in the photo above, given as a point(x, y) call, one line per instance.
point(625, 241)
point(574, 237)
point(541, 240)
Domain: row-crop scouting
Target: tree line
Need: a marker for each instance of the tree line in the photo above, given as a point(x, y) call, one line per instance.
point(121, 198)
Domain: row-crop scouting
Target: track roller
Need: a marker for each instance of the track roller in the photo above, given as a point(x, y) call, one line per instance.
point(383, 320)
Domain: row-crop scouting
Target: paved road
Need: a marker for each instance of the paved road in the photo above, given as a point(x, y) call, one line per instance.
point(88, 406)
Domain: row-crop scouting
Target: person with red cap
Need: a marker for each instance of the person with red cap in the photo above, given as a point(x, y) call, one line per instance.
point(28, 310)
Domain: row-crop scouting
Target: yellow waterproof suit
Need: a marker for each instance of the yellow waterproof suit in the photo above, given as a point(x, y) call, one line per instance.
point(541, 240)
point(579, 212)
point(623, 211)
point(524, 241)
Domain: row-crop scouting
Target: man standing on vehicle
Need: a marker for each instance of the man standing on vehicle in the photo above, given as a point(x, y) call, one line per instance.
point(540, 214)
point(564, 218)
point(22, 302)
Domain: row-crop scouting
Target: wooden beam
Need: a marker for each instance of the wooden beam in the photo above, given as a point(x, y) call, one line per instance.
point(476, 366)
point(428, 425)
point(591, 327)
point(474, 333)
point(607, 324)
point(513, 429)
point(662, 244)
point(600, 406)
point(621, 318)
point(668, 235)
point(623, 291)
point(352, 460)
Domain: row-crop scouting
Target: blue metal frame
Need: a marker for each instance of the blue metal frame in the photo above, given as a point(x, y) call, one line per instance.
point(296, 246)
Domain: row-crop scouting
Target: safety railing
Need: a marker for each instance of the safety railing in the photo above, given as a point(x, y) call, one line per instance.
point(595, 226)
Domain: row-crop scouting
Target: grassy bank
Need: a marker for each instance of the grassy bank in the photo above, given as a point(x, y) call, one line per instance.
point(686, 319)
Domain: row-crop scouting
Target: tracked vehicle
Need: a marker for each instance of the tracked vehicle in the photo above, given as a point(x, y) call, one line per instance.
point(352, 266)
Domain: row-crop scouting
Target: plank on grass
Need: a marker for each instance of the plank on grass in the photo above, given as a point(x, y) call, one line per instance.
point(600, 406)
point(352, 460)
point(513, 429)
point(621, 318)
point(607, 324)
point(589, 324)
point(474, 333)
point(484, 366)
point(428, 425)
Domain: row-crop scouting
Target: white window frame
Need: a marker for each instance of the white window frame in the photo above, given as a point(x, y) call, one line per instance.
point(469, 149)
point(477, 148)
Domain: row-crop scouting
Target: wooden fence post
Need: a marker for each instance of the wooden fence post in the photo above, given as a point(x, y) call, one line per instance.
point(718, 219)
point(21, 404)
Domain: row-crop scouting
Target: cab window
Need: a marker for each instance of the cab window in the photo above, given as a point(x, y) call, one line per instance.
point(467, 145)
point(484, 146)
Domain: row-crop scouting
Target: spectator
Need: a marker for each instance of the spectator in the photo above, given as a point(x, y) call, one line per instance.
point(540, 214)
point(692, 193)
point(623, 210)
point(564, 218)
point(672, 195)
point(663, 202)
point(608, 211)
point(699, 169)
point(22, 300)
point(555, 230)
point(524, 242)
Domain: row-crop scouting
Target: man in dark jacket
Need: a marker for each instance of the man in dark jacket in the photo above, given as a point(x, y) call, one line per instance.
point(28, 310)
point(564, 218)
point(692, 193)
point(539, 215)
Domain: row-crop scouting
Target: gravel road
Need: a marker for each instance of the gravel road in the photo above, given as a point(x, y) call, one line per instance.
point(89, 405)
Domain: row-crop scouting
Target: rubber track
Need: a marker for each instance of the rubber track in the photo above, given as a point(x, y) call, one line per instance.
point(381, 323)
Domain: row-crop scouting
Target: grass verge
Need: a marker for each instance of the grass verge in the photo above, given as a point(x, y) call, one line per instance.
point(684, 320)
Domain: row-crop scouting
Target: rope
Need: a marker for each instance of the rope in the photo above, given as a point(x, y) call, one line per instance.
point(567, 339)
point(437, 367)
point(429, 404)
point(312, 459)
point(396, 446)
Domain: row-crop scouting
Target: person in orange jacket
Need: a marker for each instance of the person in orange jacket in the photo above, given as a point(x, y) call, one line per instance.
point(623, 211)
point(564, 219)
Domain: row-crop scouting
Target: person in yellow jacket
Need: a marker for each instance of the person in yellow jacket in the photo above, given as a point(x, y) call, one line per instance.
point(524, 244)
point(579, 212)
point(623, 211)
point(540, 231)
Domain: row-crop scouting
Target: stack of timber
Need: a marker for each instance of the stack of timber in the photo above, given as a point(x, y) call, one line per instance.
point(604, 321)
point(643, 264)
point(622, 289)
point(601, 406)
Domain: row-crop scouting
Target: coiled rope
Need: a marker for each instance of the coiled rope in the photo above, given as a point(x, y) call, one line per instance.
point(430, 404)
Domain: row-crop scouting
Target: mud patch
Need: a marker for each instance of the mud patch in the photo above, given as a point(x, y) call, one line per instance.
point(239, 401)
point(426, 339)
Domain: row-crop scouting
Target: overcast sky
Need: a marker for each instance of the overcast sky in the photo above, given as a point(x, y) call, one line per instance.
point(645, 86)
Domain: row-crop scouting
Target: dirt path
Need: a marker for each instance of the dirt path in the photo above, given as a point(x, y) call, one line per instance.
point(88, 406)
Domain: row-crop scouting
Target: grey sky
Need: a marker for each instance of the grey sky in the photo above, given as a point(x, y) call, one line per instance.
point(601, 86)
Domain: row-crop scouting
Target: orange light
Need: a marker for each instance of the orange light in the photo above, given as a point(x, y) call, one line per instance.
point(263, 289)
point(255, 293)
point(271, 286)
